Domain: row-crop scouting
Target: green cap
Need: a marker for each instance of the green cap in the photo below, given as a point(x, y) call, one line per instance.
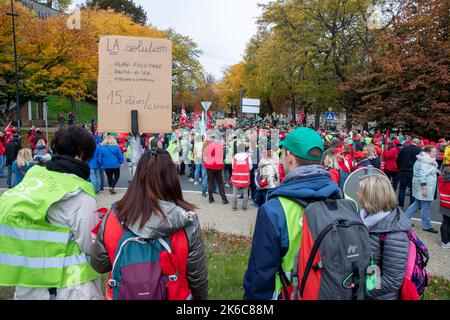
point(301, 140)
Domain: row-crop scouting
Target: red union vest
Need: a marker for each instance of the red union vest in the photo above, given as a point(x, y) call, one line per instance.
point(444, 193)
point(177, 290)
point(241, 174)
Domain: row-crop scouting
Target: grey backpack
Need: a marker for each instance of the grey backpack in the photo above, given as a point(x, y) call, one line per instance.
point(334, 253)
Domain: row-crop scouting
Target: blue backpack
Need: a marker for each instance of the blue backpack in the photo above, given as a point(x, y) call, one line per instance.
point(136, 272)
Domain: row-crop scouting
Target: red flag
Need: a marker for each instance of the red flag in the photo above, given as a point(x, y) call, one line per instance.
point(300, 118)
point(208, 114)
point(184, 121)
point(197, 114)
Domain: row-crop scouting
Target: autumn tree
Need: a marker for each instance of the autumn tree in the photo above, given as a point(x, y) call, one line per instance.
point(52, 60)
point(187, 71)
point(407, 84)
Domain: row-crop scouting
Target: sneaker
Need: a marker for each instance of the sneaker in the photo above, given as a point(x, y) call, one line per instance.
point(191, 180)
point(211, 200)
point(225, 201)
point(204, 194)
point(245, 209)
point(431, 230)
point(195, 183)
point(227, 185)
point(445, 245)
point(234, 209)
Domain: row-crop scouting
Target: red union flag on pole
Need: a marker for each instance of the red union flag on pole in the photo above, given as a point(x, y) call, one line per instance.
point(184, 121)
point(196, 115)
point(208, 114)
point(300, 118)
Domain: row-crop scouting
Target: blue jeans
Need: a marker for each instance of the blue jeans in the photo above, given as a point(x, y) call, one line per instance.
point(9, 175)
point(95, 179)
point(199, 168)
point(102, 179)
point(2, 165)
point(425, 212)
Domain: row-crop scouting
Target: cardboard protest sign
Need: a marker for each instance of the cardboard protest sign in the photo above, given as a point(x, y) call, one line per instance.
point(135, 73)
point(226, 122)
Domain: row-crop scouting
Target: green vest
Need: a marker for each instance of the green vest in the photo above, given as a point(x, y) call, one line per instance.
point(294, 221)
point(34, 253)
point(174, 151)
point(229, 152)
point(149, 142)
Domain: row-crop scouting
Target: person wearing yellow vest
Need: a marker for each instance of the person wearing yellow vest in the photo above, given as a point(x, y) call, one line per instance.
point(277, 234)
point(45, 226)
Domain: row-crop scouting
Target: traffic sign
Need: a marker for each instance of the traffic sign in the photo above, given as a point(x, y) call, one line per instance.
point(329, 115)
point(250, 105)
point(206, 105)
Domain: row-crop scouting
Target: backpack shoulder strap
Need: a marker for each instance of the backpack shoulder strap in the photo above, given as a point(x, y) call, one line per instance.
point(117, 215)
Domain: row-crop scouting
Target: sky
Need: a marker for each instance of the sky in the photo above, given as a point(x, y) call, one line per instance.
point(221, 28)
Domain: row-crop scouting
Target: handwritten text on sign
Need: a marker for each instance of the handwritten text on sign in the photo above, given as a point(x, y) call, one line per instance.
point(135, 74)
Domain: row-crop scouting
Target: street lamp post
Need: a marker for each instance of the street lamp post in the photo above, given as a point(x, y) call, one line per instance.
point(13, 15)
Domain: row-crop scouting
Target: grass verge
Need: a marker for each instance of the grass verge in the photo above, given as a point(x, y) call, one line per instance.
point(227, 257)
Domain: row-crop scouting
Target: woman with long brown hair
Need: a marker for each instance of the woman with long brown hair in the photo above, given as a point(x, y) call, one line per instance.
point(153, 208)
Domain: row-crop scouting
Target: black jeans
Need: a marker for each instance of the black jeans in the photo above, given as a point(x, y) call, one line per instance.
point(405, 181)
point(215, 175)
point(393, 176)
point(113, 176)
point(182, 169)
point(445, 229)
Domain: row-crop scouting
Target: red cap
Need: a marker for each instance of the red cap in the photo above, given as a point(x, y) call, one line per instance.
point(441, 140)
point(425, 142)
point(396, 141)
point(338, 150)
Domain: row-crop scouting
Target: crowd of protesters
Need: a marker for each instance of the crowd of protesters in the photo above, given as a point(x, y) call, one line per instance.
point(275, 165)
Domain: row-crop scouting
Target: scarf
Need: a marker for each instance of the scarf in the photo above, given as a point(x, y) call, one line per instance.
point(68, 164)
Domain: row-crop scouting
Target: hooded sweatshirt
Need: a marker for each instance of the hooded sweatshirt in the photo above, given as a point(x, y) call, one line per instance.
point(271, 238)
point(175, 219)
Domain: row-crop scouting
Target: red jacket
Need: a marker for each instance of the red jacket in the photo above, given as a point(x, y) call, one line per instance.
point(347, 163)
point(213, 156)
point(390, 159)
point(444, 192)
point(334, 175)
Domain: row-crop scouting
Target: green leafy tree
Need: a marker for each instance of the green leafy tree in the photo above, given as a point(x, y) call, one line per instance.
point(127, 7)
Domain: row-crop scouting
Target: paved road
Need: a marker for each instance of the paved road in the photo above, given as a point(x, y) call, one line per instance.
point(189, 186)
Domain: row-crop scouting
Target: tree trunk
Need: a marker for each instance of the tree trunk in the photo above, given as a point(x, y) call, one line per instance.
point(317, 118)
point(74, 105)
point(293, 107)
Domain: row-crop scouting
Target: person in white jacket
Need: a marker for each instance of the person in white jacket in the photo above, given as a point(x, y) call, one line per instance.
point(266, 177)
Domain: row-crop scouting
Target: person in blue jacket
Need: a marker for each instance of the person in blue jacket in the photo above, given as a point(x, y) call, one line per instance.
point(305, 179)
point(95, 167)
point(111, 158)
point(21, 165)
